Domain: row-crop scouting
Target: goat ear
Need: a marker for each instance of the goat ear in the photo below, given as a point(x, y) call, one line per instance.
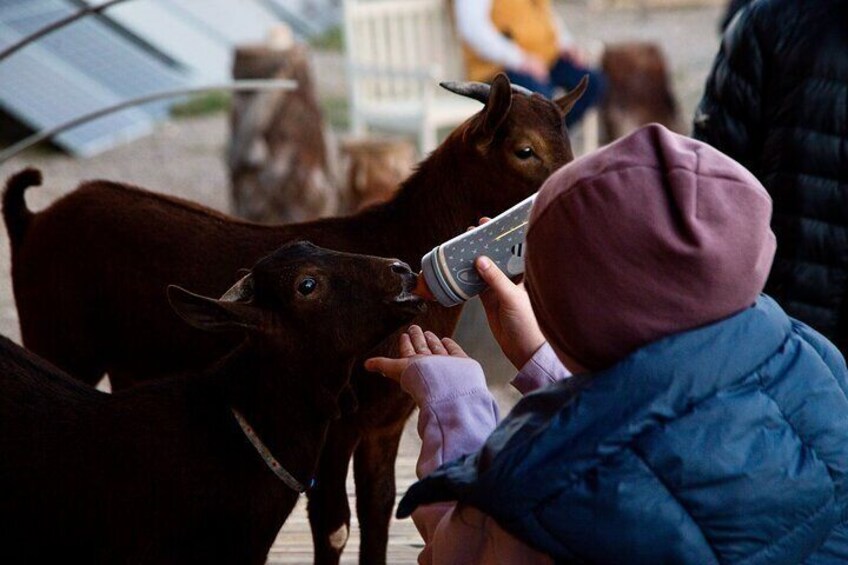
point(497, 106)
point(567, 101)
point(213, 315)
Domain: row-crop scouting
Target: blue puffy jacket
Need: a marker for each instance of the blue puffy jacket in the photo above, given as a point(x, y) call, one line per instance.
point(725, 444)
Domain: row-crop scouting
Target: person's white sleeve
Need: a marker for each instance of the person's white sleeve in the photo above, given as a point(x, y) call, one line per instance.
point(475, 27)
point(564, 37)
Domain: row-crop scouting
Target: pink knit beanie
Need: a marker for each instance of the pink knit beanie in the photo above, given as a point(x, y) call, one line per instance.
point(652, 235)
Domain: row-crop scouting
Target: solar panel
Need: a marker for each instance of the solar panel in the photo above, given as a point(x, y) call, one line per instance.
point(208, 56)
point(78, 69)
point(42, 91)
point(234, 22)
point(97, 50)
point(199, 34)
point(309, 17)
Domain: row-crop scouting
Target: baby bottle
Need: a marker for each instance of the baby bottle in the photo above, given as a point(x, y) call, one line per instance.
point(448, 270)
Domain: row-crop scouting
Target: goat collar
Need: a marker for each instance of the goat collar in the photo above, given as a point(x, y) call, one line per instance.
point(269, 459)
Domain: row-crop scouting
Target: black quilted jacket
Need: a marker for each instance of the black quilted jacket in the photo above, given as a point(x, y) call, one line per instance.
point(777, 102)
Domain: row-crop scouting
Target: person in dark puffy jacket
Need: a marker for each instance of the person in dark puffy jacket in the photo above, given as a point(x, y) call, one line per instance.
point(777, 102)
point(700, 424)
point(732, 7)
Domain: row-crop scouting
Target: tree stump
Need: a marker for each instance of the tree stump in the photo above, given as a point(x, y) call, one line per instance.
point(280, 165)
point(373, 169)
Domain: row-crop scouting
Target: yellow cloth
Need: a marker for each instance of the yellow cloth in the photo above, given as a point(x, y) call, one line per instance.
point(529, 23)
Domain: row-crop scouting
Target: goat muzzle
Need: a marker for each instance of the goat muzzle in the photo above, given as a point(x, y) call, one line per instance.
point(409, 296)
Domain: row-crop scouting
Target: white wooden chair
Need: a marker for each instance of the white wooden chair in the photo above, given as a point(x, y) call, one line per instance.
point(397, 52)
point(590, 125)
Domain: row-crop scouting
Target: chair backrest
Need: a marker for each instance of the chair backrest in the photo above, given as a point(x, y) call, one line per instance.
point(399, 49)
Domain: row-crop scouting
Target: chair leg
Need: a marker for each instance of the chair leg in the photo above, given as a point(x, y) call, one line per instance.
point(591, 131)
point(427, 139)
point(358, 127)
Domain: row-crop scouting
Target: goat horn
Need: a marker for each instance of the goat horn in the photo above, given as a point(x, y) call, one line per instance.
point(521, 90)
point(477, 90)
point(241, 291)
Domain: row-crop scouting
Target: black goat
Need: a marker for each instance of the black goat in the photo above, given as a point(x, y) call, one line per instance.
point(200, 467)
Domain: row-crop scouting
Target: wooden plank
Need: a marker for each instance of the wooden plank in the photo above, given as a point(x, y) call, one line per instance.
point(294, 543)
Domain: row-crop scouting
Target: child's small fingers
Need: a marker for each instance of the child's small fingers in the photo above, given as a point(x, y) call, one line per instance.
point(482, 221)
point(453, 348)
point(419, 342)
point(405, 346)
point(434, 344)
point(391, 368)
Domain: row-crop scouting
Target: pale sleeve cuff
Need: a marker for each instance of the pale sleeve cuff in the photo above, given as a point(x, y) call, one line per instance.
point(456, 410)
point(542, 369)
point(436, 378)
point(474, 24)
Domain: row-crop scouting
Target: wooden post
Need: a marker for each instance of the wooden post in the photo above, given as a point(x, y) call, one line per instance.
point(373, 169)
point(280, 165)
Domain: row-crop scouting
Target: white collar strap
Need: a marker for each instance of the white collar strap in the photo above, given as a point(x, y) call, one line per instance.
point(269, 459)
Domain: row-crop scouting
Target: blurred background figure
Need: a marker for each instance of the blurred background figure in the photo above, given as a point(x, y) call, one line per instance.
point(775, 102)
point(530, 42)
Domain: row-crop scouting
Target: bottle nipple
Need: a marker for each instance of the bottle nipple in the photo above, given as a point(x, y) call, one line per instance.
point(422, 290)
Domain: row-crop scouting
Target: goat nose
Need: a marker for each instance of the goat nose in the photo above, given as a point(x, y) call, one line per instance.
point(400, 268)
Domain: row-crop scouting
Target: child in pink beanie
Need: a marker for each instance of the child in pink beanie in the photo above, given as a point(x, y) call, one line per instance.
point(701, 424)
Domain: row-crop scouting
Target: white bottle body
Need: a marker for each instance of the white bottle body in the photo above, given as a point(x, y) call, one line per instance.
point(449, 268)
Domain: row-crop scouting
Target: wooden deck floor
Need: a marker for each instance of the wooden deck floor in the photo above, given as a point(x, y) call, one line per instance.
point(294, 544)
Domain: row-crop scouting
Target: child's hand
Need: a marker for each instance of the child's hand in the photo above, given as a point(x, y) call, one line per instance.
point(413, 344)
point(508, 309)
point(536, 68)
point(510, 315)
point(575, 55)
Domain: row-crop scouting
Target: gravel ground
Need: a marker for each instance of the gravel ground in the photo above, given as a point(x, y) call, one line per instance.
point(184, 157)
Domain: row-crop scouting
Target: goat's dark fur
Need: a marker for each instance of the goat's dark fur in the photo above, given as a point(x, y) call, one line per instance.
point(138, 241)
point(162, 473)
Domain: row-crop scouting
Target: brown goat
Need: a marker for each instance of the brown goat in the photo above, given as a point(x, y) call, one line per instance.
point(174, 471)
point(373, 170)
point(639, 90)
point(136, 242)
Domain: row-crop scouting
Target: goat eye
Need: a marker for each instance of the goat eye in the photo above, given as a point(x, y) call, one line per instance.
point(306, 286)
point(524, 153)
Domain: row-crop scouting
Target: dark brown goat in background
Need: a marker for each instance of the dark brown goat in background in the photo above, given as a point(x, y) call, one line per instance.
point(89, 272)
point(166, 472)
point(639, 90)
